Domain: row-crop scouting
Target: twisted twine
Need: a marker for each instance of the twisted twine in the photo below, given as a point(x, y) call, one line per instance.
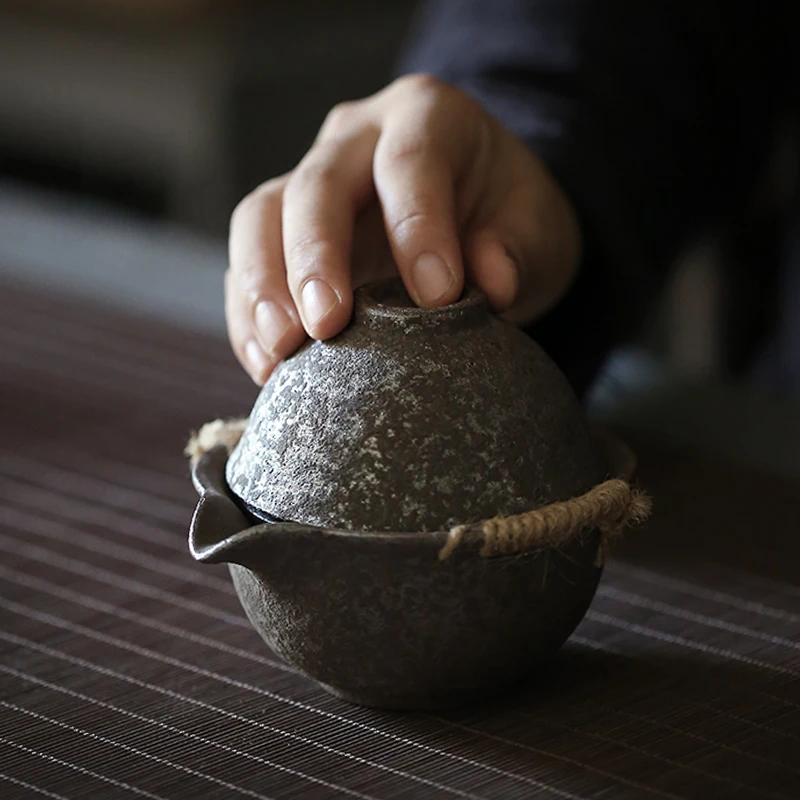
point(226, 432)
point(608, 507)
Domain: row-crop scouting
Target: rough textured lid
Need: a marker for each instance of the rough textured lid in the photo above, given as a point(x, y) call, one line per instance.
point(414, 419)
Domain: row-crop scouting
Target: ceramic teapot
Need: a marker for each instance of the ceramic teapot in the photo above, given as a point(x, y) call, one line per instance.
point(354, 510)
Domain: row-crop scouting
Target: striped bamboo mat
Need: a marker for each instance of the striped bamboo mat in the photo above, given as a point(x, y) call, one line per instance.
point(126, 670)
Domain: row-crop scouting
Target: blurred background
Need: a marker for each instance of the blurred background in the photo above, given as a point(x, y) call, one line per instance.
point(129, 129)
point(173, 109)
point(139, 123)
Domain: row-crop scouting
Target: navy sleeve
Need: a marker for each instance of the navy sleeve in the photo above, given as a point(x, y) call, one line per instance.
point(655, 117)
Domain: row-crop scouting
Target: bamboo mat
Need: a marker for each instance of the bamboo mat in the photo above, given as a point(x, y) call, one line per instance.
point(127, 670)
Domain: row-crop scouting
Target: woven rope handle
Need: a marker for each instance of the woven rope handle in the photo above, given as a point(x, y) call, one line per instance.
point(226, 432)
point(609, 507)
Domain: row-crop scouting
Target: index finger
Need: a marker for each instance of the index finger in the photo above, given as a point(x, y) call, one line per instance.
point(263, 324)
point(321, 202)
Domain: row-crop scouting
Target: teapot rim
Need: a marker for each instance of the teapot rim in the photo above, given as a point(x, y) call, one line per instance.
point(208, 475)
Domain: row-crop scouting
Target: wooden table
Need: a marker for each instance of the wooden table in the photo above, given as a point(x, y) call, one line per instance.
point(127, 670)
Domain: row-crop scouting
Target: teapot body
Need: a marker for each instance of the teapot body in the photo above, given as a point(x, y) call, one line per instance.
point(395, 628)
point(335, 507)
point(378, 619)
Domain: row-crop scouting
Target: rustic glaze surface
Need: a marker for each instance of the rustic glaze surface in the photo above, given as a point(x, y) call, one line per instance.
point(414, 420)
point(377, 618)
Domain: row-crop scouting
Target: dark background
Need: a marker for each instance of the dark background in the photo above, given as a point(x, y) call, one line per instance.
point(175, 108)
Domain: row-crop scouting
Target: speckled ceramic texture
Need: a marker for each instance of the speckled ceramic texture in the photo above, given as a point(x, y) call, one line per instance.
point(378, 619)
point(414, 420)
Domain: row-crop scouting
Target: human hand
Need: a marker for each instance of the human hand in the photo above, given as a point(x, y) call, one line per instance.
point(417, 178)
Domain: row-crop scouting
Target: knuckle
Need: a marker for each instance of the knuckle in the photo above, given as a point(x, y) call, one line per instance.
point(340, 117)
point(435, 98)
point(251, 278)
point(419, 83)
point(316, 169)
point(249, 271)
point(243, 209)
point(305, 253)
point(249, 275)
point(408, 224)
point(257, 200)
point(395, 151)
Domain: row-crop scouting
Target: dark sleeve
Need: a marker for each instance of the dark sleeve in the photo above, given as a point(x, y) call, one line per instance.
point(654, 116)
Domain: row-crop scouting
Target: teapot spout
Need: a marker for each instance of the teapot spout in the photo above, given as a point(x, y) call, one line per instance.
point(217, 531)
point(220, 532)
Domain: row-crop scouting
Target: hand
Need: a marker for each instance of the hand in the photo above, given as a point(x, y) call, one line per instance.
point(417, 178)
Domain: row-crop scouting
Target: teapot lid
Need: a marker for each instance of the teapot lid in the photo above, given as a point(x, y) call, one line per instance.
point(413, 419)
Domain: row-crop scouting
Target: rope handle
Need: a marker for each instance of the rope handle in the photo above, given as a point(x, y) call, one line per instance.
point(609, 507)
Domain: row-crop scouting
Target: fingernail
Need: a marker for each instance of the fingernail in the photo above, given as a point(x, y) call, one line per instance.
point(431, 278)
point(318, 301)
point(272, 323)
point(256, 360)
